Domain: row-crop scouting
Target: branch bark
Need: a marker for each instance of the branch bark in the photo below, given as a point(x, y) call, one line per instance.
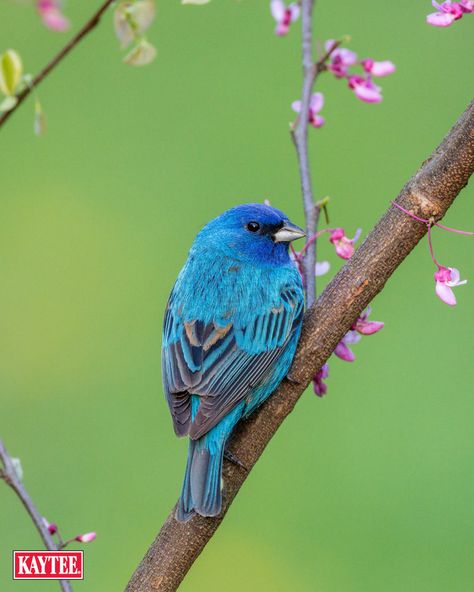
point(10, 476)
point(85, 29)
point(429, 193)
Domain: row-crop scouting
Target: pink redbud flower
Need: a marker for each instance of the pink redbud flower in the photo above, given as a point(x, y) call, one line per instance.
point(344, 245)
point(366, 327)
point(86, 538)
point(342, 349)
point(283, 15)
point(320, 388)
point(341, 59)
point(364, 89)
point(315, 105)
point(378, 68)
point(448, 12)
point(51, 15)
point(446, 279)
point(52, 528)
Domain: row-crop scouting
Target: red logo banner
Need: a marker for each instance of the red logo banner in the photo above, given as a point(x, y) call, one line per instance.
point(48, 565)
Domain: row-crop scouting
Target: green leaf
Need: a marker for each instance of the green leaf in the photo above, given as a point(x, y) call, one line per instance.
point(8, 103)
point(11, 69)
point(141, 54)
point(131, 19)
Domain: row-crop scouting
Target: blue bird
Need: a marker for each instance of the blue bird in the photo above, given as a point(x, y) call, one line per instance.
point(231, 327)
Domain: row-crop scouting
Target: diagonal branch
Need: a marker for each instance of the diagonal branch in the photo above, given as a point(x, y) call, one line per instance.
point(87, 28)
point(8, 473)
point(429, 193)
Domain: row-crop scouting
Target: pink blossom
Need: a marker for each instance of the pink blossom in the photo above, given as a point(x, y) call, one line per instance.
point(86, 538)
point(378, 68)
point(51, 15)
point(448, 12)
point(52, 528)
point(316, 103)
point(344, 245)
point(283, 15)
point(341, 59)
point(366, 327)
point(364, 89)
point(320, 388)
point(342, 348)
point(447, 278)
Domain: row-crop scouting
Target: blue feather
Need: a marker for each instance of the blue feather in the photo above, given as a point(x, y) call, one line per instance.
point(230, 332)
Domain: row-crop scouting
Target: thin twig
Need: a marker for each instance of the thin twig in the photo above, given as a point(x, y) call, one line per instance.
point(300, 139)
point(299, 135)
point(428, 194)
point(89, 26)
point(11, 478)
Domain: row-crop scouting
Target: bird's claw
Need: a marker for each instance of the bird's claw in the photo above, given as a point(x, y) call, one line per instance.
point(234, 459)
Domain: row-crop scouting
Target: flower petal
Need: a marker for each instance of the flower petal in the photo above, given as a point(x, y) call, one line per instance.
point(367, 94)
point(369, 327)
point(296, 106)
point(316, 102)
point(343, 352)
point(440, 19)
point(445, 293)
point(382, 68)
point(294, 12)
point(277, 8)
point(317, 121)
point(321, 268)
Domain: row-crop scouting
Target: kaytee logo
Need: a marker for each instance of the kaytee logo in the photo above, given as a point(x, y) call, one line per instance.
point(48, 565)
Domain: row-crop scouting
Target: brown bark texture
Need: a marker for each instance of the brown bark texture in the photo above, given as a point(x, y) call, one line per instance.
point(428, 194)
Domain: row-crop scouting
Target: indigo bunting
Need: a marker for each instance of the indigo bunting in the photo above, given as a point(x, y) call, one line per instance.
point(231, 327)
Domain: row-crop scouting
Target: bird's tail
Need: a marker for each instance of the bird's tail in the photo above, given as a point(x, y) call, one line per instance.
point(201, 491)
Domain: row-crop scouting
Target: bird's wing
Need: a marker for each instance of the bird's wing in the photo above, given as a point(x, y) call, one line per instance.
point(222, 362)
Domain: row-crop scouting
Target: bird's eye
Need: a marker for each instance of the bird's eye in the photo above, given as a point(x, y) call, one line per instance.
point(253, 226)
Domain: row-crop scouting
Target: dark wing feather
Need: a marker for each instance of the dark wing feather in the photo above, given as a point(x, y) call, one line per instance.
point(221, 363)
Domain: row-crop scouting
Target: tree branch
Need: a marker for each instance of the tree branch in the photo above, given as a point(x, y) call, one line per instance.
point(429, 193)
point(10, 476)
point(89, 26)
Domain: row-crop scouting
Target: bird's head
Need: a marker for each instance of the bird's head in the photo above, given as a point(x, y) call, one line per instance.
point(256, 233)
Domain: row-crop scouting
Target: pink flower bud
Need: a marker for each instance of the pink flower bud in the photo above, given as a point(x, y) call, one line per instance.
point(51, 15)
point(86, 538)
point(52, 528)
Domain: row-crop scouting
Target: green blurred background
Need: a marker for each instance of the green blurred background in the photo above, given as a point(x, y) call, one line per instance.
point(368, 489)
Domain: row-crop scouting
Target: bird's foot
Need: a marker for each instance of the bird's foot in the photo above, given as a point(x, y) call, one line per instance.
point(230, 456)
point(291, 379)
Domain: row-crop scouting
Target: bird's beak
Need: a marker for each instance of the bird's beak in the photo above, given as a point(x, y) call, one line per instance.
point(288, 232)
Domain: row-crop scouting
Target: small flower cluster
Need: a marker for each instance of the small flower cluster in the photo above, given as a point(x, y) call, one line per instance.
point(52, 16)
point(340, 60)
point(448, 12)
point(361, 327)
point(446, 278)
point(284, 15)
point(52, 528)
point(363, 86)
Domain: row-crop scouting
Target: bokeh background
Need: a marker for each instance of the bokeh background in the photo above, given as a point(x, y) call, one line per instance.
point(368, 489)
